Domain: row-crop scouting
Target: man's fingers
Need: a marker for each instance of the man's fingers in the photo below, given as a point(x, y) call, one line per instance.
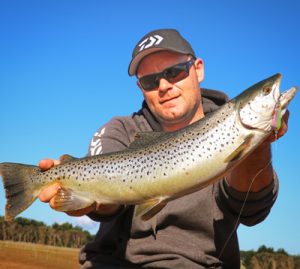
point(283, 129)
point(46, 164)
point(286, 116)
point(49, 192)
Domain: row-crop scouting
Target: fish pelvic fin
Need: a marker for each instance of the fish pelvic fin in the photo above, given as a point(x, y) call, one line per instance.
point(149, 209)
point(21, 190)
point(67, 199)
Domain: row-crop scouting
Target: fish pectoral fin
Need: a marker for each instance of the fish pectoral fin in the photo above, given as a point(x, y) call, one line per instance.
point(149, 209)
point(239, 151)
point(144, 138)
point(69, 200)
point(66, 158)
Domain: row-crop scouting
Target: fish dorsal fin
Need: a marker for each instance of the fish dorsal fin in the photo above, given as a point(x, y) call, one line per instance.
point(69, 200)
point(145, 138)
point(239, 151)
point(67, 158)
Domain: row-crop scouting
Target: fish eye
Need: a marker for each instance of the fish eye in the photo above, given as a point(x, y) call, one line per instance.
point(267, 90)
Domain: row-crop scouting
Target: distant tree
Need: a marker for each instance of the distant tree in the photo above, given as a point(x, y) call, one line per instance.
point(24, 222)
point(282, 251)
point(62, 227)
point(246, 258)
point(263, 248)
point(264, 254)
point(297, 261)
point(27, 230)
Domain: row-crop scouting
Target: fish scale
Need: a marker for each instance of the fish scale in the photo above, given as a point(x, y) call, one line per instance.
point(157, 167)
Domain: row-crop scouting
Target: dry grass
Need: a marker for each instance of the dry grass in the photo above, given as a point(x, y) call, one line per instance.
point(16, 255)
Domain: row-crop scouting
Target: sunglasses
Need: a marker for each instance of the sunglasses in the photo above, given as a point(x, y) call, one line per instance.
point(172, 74)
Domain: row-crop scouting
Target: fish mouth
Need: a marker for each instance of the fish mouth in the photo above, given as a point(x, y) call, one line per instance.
point(286, 97)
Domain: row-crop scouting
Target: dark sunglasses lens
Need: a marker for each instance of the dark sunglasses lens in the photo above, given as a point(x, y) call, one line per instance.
point(149, 82)
point(172, 74)
point(176, 74)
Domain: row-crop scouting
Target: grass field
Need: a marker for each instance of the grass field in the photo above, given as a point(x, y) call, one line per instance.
point(17, 255)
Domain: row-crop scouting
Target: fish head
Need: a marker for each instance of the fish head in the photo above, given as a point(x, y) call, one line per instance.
point(260, 105)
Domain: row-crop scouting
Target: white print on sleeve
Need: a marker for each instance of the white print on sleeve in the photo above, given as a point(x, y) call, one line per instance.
point(96, 145)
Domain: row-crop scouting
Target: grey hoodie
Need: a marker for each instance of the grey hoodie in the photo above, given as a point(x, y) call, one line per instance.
point(191, 230)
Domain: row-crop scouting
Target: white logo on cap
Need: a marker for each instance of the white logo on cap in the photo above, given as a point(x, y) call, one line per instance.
point(150, 41)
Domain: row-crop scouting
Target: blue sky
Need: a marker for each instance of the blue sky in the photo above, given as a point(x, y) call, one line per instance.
point(63, 73)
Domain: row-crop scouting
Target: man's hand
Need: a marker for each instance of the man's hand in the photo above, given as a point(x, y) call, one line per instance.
point(283, 129)
point(257, 165)
point(48, 163)
point(47, 195)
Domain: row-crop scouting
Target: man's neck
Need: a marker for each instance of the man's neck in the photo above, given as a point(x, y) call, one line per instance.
point(171, 127)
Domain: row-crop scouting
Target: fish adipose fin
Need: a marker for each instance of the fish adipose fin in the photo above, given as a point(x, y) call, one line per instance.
point(21, 187)
point(149, 209)
point(240, 150)
point(70, 200)
point(66, 158)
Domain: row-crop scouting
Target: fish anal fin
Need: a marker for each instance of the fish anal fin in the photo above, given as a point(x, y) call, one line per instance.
point(149, 209)
point(144, 138)
point(240, 150)
point(69, 200)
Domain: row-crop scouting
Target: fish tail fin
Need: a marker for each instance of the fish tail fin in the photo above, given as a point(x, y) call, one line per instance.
point(20, 187)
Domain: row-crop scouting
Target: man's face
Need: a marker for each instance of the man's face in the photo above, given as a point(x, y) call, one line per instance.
point(178, 104)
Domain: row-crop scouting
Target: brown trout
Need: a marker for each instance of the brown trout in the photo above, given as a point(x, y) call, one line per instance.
point(157, 167)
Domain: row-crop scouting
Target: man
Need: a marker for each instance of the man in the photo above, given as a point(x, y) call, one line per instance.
point(194, 231)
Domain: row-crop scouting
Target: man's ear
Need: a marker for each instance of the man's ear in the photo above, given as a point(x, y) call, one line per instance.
point(199, 66)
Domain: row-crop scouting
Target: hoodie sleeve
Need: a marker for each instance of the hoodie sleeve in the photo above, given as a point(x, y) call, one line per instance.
point(116, 135)
point(111, 137)
point(253, 207)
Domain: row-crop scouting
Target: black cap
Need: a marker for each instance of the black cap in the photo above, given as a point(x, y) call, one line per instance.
point(162, 39)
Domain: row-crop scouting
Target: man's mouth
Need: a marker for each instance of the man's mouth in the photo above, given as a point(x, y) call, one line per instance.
point(166, 100)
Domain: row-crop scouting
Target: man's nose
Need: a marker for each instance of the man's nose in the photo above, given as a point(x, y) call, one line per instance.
point(164, 85)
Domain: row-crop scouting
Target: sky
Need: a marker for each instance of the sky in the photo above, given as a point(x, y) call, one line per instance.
point(63, 74)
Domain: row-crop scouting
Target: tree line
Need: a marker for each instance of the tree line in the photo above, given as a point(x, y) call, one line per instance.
point(268, 257)
point(32, 231)
point(67, 235)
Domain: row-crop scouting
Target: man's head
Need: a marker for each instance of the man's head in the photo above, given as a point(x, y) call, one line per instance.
point(157, 40)
point(169, 75)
